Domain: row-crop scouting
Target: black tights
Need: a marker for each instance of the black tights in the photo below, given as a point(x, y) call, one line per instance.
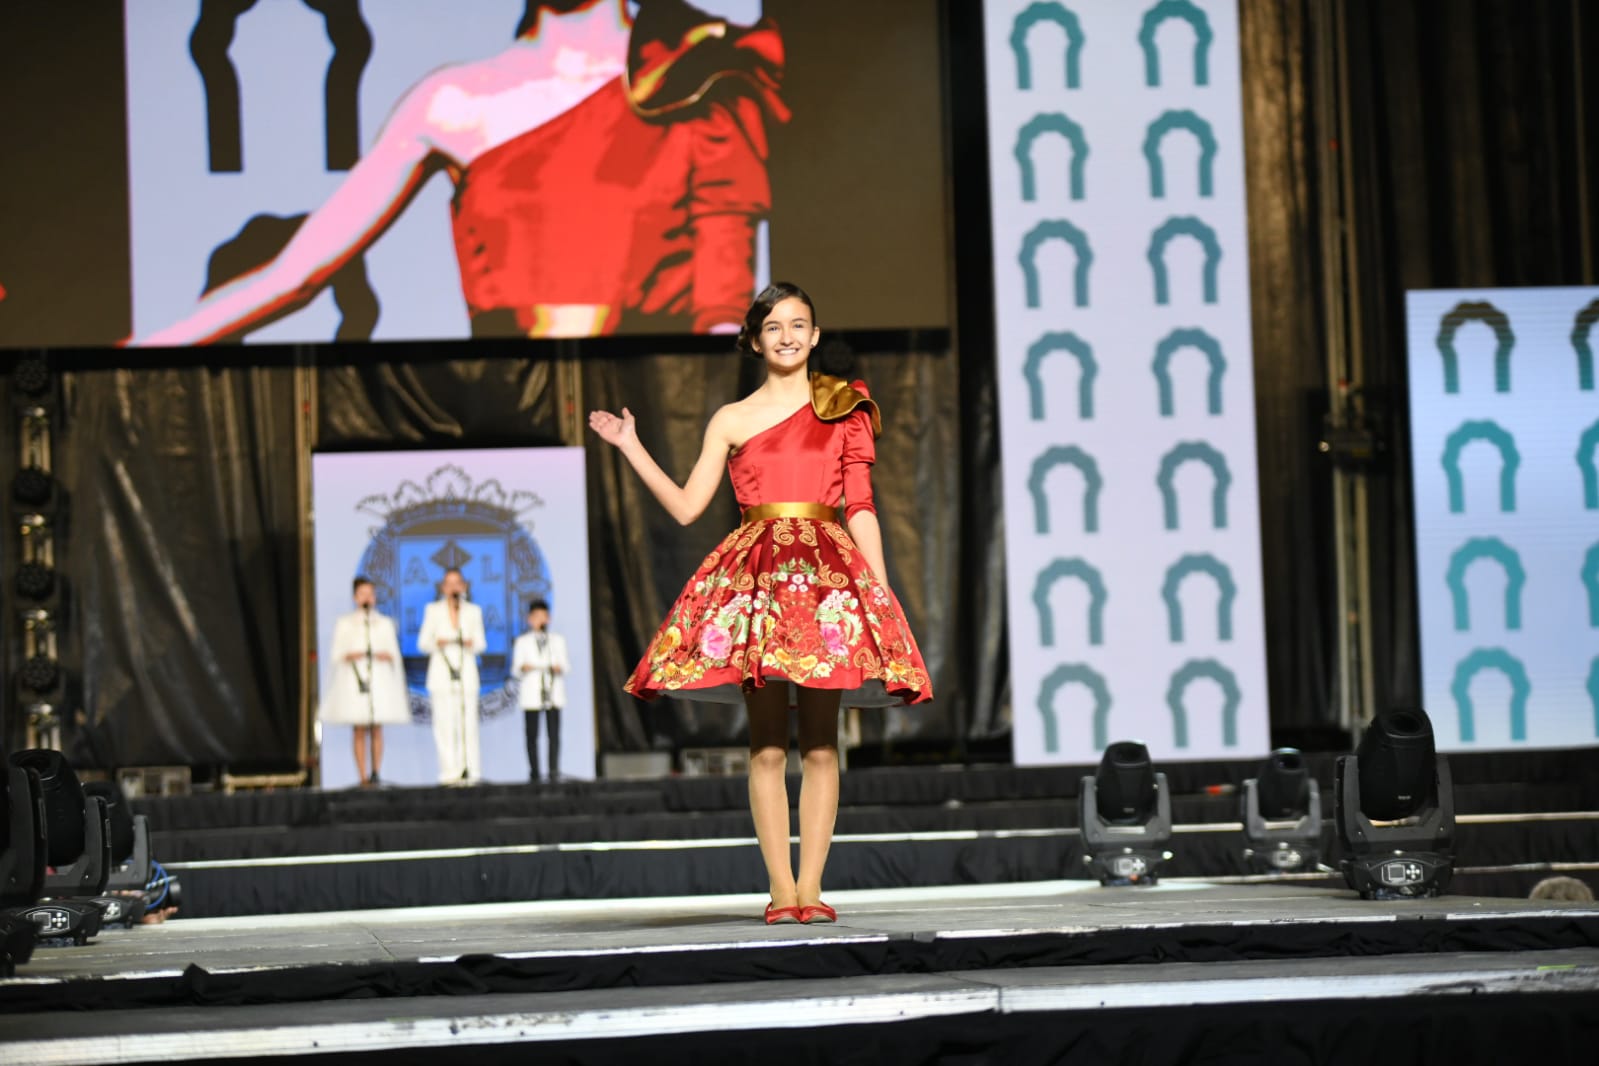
point(552, 727)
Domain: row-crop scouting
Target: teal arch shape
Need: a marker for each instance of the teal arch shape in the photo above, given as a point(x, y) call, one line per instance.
point(1175, 9)
point(1187, 674)
point(1183, 226)
point(1509, 462)
point(1066, 20)
point(1586, 446)
point(1051, 123)
point(1203, 563)
point(1590, 582)
point(1069, 455)
point(1496, 320)
point(1180, 120)
point(1060, 342)
point(1593, 692)
point(1188, 338)
point(1194, 451)
point(1056, 229)
point(1507, 664)
point(1060, 677)
point(1091, 577)
point(1581, 334)
point(1515, 578)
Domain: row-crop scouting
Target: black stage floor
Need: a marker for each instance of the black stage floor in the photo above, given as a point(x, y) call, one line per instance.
point(997, 969)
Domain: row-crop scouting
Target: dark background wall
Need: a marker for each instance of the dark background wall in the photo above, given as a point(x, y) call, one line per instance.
point(1467, 168)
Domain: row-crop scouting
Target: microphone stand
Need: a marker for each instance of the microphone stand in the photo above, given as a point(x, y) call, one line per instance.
point(460, 687)
point(366, 685)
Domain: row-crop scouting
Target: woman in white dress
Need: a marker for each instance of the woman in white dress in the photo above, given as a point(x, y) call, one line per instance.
point(452, 638)
point(366, 688)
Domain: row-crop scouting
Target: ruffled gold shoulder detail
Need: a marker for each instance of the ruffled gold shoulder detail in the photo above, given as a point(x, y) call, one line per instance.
point(832, 398)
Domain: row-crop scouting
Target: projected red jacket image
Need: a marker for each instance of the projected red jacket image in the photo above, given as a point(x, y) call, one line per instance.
point(609, 175)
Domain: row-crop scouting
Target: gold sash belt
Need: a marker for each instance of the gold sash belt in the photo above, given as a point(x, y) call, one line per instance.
point(820, 512)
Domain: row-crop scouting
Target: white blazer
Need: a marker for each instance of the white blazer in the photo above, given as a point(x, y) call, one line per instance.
point(387, 702)
point(436, 627)
point(542, 680)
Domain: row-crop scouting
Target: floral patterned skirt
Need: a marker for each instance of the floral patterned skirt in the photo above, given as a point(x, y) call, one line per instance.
point(785, 599)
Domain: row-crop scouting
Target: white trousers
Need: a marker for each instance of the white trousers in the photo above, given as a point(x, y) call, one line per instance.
point(456, 734)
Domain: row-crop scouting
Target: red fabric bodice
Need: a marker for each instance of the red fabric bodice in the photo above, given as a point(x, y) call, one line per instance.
point(602, 207)
point(804, 459)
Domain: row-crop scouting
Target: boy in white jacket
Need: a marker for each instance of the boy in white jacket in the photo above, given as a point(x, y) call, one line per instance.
point(539, 663)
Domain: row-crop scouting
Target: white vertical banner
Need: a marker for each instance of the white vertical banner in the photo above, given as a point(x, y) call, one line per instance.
point(1121, 287)
point(1504, 425)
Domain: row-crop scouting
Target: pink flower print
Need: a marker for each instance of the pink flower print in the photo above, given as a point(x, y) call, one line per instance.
point(715, 643)
point(833, 640)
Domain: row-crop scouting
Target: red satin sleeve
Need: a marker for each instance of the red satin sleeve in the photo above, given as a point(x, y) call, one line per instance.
point(729, 194)
point(860, 451)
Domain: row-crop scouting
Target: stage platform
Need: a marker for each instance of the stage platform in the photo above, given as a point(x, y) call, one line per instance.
point(1018, 973)
point(1522, 816)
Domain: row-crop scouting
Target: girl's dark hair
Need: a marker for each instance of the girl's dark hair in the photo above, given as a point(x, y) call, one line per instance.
point(770, 297)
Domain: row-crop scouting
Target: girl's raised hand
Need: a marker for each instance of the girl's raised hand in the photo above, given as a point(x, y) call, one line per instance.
point(613, 429)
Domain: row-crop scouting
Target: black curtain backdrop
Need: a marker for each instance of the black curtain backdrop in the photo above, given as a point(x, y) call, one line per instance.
point(1287, 309)
point(184, 560)
point(183, 550)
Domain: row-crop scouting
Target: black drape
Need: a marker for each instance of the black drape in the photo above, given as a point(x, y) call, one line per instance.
point(1287, 308)
point(185, 565)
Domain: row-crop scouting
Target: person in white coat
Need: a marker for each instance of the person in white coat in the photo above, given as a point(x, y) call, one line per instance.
point(539, 663)
point(366, 688)
point(452, 638)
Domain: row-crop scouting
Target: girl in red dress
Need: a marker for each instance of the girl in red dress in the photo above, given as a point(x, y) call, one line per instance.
point(792, 608)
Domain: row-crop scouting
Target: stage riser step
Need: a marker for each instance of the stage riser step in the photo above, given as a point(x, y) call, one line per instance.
point(624, 872)
point(1531, 781)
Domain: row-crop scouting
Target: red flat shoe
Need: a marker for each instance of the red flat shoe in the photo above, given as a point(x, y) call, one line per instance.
point(819, 913)
point(782, 915)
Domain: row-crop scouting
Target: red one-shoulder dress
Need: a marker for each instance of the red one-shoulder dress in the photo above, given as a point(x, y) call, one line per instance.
point(787, 596)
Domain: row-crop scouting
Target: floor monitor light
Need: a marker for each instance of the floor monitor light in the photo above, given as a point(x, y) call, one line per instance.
point(1124, 810)
point(1281, 812)
point(1396, 810)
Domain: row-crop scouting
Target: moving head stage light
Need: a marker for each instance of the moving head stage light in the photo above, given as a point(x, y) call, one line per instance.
point(1124, 811)
point(1396, 810)
point(1281, 812)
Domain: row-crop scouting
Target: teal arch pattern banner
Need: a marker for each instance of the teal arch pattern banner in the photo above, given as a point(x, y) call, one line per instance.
point(1092, 581)
point(1508, 504)
point(1509, 461)
point(1053, 122)
point(1180, 120)
point(1496, 550)
point(1126, 380)
point(1207, 346)
point(1032, 369)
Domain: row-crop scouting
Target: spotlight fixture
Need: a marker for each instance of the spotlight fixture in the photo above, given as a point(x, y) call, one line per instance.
point(40, 670)
point(35, 581)
point(1124, 812)
point(36, 577)
point(39, 674)
point(32, 486)
point(1281, 812)
point(1396, 810)
point(31, 375)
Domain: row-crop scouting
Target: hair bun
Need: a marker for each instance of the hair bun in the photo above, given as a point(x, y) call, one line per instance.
point(834, 357)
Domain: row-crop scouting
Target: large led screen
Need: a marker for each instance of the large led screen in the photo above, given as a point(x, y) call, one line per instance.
point(301, 171)
point(1504, 427)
